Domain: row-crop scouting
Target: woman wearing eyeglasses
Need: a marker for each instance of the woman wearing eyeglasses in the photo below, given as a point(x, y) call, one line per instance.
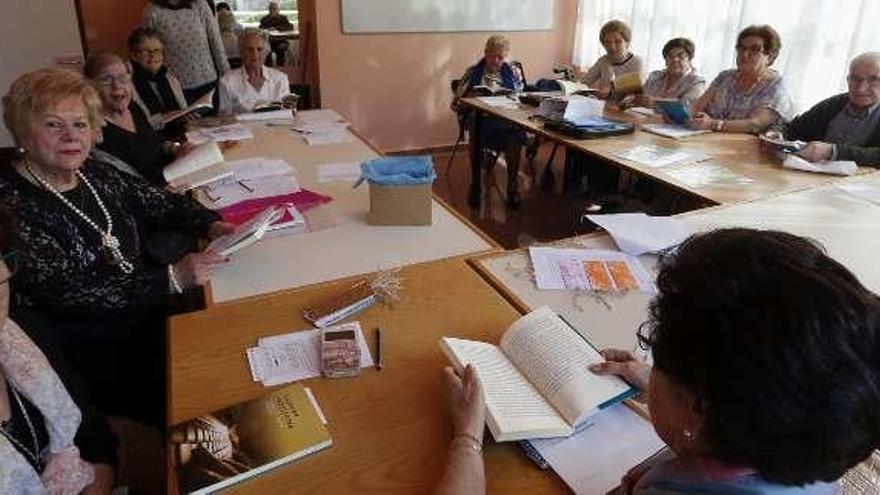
point(127, 135)
point(156, 90)
point(84, 228)
point(50, 439)
point(750, 98)
point(845, 126)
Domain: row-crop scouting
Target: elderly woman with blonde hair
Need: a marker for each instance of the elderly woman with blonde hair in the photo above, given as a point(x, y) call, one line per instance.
point(83, 227)
point(253, 86)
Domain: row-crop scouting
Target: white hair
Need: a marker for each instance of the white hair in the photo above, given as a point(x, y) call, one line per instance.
point(255, 33)
point(867, 57)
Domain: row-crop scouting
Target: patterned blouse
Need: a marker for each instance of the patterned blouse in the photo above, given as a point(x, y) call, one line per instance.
point(687, 89)
point(193, 47)
point(728, 103)
point(64, 265)
point(679, 476)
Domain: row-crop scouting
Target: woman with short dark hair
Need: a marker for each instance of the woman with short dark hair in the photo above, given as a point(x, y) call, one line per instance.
point(156, 89)
point(766, 376)
point(752, 97)
point(678, 81)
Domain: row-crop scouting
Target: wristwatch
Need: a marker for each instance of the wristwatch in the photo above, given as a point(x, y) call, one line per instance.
point(718, 126)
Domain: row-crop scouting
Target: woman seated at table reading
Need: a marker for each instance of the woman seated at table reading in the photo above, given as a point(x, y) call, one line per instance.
point(156, 90)
point(678, 81)
point(618, 59)
point(129, 139)
point(750, 98)
point(83, 228)
point(50, 438)
point(494, 72)
point(766, 373)
point(845, 126)
point(253, 86)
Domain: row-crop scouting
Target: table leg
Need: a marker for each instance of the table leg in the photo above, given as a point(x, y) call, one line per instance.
point(476, 160)
point(548, 178)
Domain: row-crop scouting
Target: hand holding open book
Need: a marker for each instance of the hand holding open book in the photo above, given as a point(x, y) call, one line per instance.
point(536, 381)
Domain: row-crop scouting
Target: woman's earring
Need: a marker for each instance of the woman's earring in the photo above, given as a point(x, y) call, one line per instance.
point(20, 152)
point(688, 435)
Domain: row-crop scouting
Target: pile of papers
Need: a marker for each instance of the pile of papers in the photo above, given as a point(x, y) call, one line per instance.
point(588, 269)
point(637, 233)
point(231, 132)
point(296, 356)
point(837, 167)
point(325, 133)
point(251, 179)
point(660, 156)
point(673, 131)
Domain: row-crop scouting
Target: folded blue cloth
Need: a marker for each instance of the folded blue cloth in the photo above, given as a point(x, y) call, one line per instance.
point(398, 171)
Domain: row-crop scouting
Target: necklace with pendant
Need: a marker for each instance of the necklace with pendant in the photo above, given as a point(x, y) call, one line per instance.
point(34, 456)
point(108, 240)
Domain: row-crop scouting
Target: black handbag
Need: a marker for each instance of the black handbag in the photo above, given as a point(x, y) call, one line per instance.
point(599, 127)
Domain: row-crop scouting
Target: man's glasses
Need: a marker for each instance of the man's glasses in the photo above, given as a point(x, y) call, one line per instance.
point(151, 51)
point(872, 81)
point(11, 260)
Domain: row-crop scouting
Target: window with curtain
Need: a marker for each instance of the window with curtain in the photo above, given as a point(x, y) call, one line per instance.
point(819, 37)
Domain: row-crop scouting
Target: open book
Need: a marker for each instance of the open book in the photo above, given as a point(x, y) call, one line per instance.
point(536, 382)
point(247, 233)
point(206, 101)
point(575, 88)
point(201, 165)
point(482, 90)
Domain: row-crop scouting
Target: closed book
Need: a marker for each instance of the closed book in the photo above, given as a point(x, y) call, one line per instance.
point(217, 450)
point(303, 201)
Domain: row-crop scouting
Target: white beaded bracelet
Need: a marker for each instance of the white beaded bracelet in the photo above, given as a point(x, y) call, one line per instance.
point(173, 284)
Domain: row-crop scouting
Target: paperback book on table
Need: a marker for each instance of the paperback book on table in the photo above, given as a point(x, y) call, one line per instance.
point(536, 382)
point(217, 450)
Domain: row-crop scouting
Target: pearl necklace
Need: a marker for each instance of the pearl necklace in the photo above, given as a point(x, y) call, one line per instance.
point(34, 456)
point(108, 240)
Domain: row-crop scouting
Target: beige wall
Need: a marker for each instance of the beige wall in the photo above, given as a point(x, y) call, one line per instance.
point(33, 34)
point(395, 87)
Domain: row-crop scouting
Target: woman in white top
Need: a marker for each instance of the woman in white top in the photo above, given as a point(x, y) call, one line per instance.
point(617, 61)
point(253, 85)
point(678, 81)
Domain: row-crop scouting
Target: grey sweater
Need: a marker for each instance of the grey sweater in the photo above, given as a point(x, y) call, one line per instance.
point(193, 47)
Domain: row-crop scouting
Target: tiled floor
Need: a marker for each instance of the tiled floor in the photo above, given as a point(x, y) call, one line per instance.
point(544, 215)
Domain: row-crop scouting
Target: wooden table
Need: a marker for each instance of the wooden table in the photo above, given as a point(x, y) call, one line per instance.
point(738, 152)
point(390, 430)
point(847, 226)
point(351, 246)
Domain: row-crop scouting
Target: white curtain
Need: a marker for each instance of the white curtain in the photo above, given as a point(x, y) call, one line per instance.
point(819, 37)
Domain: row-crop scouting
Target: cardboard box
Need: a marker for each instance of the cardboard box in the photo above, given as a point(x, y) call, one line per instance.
point(400, 205)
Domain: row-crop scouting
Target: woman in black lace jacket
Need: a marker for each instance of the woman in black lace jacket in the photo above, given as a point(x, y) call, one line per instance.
point(83, 226)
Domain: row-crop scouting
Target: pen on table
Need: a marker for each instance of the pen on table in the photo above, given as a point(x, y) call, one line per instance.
point(379, 362)
point(245, 186)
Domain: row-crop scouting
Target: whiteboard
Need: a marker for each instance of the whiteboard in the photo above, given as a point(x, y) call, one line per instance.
point(421, 16)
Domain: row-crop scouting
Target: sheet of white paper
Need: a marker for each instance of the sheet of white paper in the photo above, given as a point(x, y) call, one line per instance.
point(317, 116)
point(593, 460)
point(704, 174)
point(868, 192)
point(230, 192)
point(499, 101)
point(580, 107)
point(283, 114)
point(563, 269)
point(322, 127)
point(837, 167)
point(641, 111)
point(339, 172)
point(231, 132)
point(673, 131)
point(333, 137)
point(660, 156)
point(296, 356)
point(637, 233)
point(259, 167)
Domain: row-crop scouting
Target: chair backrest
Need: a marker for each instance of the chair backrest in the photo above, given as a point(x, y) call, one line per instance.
point(517, 66)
